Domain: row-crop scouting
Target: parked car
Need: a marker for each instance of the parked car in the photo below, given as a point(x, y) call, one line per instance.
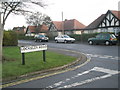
point(41, 38)
point(64, 38)
point(103, 38)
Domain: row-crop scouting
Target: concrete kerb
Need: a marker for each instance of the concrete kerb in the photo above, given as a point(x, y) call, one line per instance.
point(82, 59)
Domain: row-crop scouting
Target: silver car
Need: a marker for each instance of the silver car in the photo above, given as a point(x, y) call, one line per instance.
point(64, 38)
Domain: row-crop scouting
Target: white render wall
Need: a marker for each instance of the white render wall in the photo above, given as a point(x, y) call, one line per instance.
point(112, 30)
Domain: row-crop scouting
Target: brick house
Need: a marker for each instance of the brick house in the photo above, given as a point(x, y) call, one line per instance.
point(20, 30)
point(67, 27)
point(32, 30)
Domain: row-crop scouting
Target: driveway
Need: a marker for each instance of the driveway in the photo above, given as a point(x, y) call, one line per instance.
point(101, 72)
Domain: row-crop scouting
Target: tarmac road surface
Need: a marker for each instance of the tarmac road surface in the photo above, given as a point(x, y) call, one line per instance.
point(101, 71)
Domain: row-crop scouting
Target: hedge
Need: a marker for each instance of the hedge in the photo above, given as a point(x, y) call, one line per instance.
point(83, 37)
point(10, 38)
point(23, 37)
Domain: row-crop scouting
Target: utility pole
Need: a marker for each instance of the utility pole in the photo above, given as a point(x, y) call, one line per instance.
point(1, 33)
point(62, 25)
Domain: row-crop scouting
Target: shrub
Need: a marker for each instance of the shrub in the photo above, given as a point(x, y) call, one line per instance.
point(83, 37)
point(10, 38)
point(23, 37)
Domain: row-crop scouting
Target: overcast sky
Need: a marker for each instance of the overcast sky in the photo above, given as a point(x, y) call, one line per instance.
point(85, 11)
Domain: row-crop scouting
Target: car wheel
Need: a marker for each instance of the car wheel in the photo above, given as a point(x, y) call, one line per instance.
point(91, 42)
point(56, 41)
point(40, 40)
point(35, 40)
point(107, 43)
point(65, 41)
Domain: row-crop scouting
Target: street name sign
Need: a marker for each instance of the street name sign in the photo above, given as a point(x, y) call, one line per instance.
point(26, 49)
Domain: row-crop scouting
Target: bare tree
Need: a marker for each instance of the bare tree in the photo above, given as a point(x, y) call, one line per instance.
point(16, 7)
point(37, 19)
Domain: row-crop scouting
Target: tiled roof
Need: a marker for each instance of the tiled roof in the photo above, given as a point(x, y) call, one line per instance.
point(116, 13)
point(73, 24)
point(31, 28)
point(95, 23)
point(68, 25)
point(42, 28)
point(58, 24)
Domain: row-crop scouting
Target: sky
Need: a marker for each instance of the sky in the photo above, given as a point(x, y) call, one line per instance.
point(85, 11)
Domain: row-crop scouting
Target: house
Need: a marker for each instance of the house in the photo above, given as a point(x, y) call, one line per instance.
point(20, 30)
point(67, 27)
point(32, 30)
point(109, 22)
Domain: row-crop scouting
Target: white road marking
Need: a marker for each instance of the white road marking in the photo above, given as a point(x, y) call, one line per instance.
point(104, 56)
point(108, 72)
point(99, 69)
point(86, 81)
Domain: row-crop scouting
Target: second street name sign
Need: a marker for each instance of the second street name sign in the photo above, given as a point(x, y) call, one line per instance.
point(26, 49)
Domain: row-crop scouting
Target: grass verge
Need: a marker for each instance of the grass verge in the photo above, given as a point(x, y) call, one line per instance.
point(34, 61)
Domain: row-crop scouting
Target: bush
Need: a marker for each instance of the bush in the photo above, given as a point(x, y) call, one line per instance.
point(83, 37)
point(10, 38)
point(23, 37)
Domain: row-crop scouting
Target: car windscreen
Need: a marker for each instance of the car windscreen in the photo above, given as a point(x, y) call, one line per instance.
point(41, 36)
point(66, 36)
point(112, 36)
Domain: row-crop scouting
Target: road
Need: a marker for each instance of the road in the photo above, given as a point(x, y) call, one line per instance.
point(101, 72)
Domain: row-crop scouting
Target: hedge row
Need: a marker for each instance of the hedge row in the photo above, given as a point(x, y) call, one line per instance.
point(23, 37)
point(10, 38)
point(83, 37)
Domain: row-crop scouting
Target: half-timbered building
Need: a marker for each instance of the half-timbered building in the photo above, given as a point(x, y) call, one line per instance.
point(109, 22)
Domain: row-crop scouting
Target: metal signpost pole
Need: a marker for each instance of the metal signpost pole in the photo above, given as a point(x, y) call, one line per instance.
point(44, 56)
point(23, 59)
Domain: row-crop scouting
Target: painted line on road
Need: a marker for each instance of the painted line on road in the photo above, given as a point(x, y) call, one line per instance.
point(103, 56)
point(39, 77)
point(108, 72)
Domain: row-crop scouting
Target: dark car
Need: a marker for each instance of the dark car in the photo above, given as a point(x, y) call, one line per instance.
point(103, 38)
point(41, 38)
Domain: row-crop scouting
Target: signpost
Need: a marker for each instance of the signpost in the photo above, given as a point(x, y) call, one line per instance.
point(26, 49)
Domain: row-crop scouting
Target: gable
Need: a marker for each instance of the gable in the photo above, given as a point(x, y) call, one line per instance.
point(52, 27)
point(110, 20)
point(95, 23)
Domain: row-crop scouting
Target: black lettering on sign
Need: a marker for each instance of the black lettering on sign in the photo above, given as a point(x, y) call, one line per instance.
point(33, 48)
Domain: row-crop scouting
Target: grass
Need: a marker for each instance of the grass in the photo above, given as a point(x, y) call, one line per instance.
point(34, 61)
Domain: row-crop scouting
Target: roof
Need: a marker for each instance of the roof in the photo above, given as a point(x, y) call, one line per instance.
point(42, 28)
point(68, 25)
point(58, 24)
point(73, 24)
point(95, 23)
point(116, 13)
point(19, 28)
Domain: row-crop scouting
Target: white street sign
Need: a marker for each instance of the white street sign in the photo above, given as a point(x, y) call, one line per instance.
point(26, 49)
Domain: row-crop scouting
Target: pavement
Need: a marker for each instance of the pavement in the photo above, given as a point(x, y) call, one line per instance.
point(81, 60)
